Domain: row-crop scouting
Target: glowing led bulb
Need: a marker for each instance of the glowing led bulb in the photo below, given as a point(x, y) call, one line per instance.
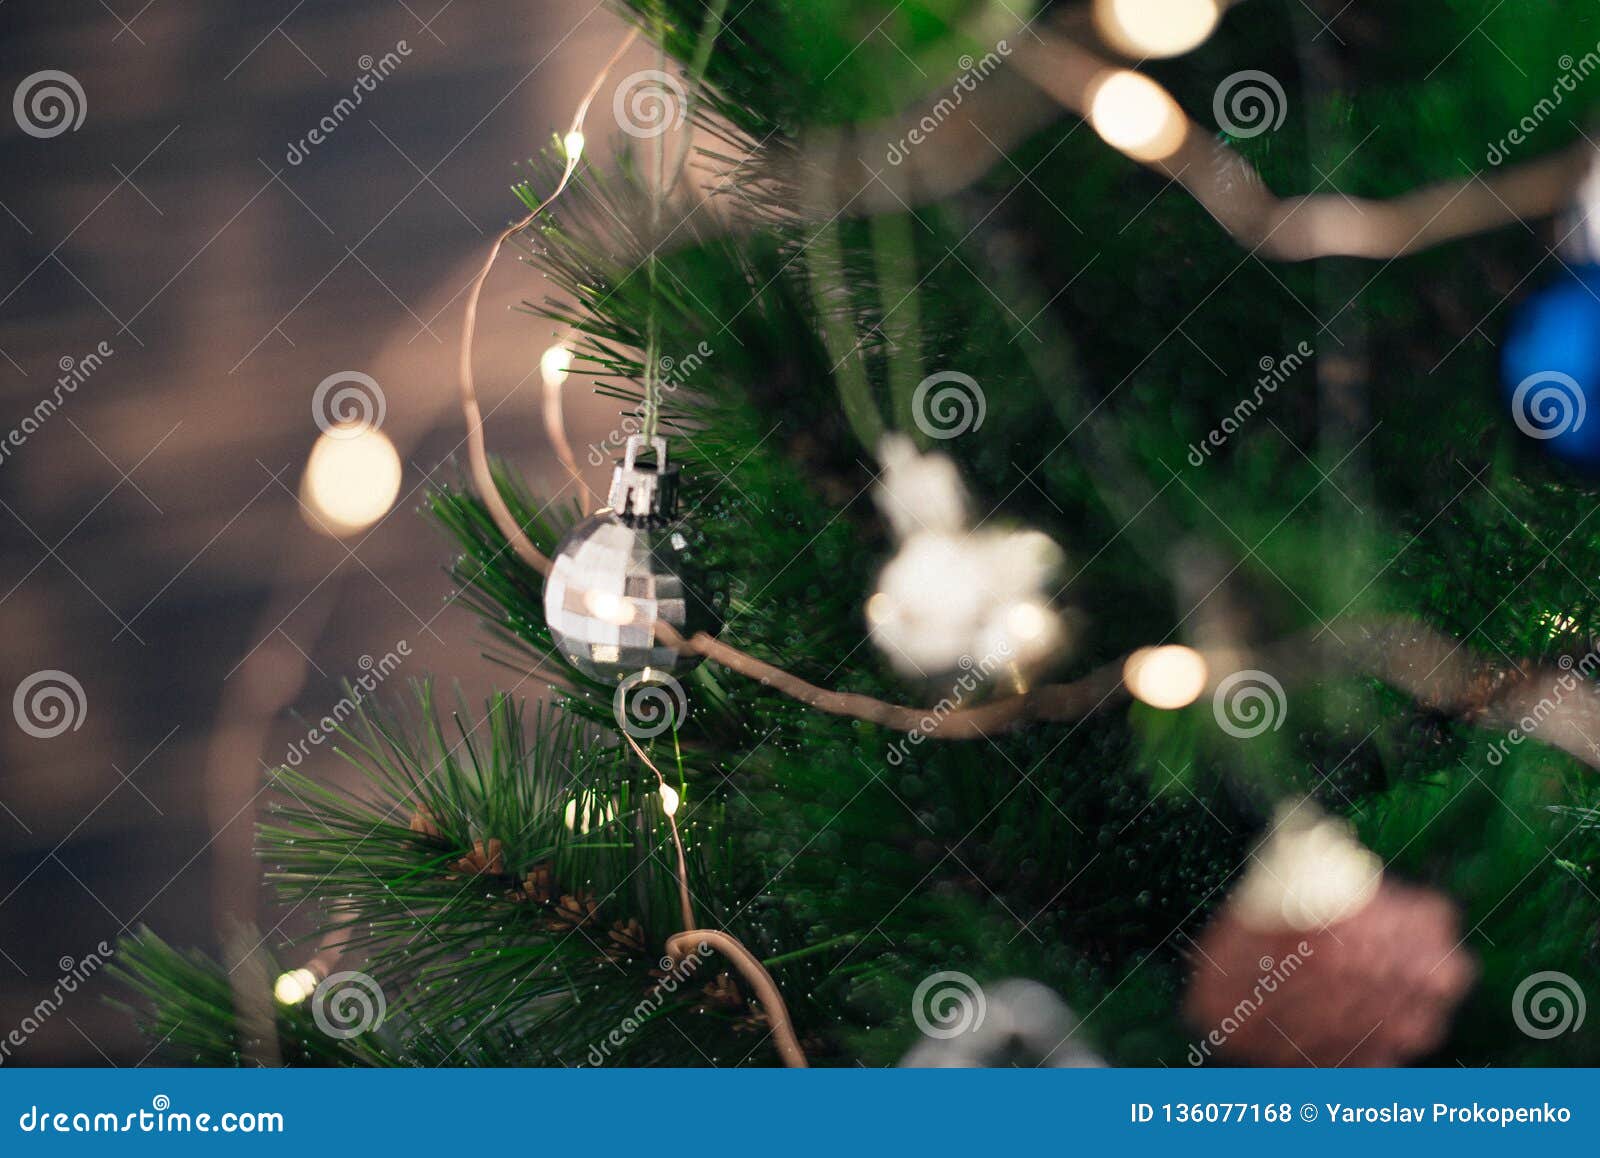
point(351, 480)
point(294, 986)
point(1133, 113)
point(1165, 677)
point(573, 144)
point(669, 800)
point(1028, 621)
point(1150, 28)
point(554, 364)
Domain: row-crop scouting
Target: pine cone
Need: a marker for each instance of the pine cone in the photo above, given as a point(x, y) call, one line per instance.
point(722, 994)
point(754, 1020)
point(625, 940)
point(573, 912)
point(538, 885)
point(422, 823)
point(484, 859)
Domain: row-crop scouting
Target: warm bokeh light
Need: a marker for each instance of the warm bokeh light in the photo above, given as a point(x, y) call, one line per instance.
point(573, 144)
point(1165, 677)
point(1136, 115)
point(1152, 28)
point(294, 986)
point(554, 364)
point(669, 800)
point(351, 481)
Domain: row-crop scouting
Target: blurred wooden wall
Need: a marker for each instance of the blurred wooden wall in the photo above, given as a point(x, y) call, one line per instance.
point(151, 545)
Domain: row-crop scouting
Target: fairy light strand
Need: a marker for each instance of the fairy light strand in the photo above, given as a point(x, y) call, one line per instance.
point(1305, 227)
point(1531, 188)
point(1536, 189)
point(555, 367)
point(1066, 72)
point(681, 944)
point(684, 944)
point(477, 451)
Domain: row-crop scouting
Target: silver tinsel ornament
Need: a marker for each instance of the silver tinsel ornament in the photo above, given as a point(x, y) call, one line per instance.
point(620, 570)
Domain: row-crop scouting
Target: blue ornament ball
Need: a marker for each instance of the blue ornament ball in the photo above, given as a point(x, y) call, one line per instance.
point(1550, 367)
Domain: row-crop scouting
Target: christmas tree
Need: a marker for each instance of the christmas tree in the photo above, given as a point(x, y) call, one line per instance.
point(1083, 520)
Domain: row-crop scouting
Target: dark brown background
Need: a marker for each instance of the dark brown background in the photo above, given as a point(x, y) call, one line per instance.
point(152, 545)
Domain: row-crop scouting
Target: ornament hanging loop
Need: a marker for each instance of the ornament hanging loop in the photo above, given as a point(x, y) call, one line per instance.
point(644, 494)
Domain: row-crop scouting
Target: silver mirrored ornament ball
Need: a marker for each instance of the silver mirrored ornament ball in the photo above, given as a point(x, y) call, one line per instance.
point(622, 568)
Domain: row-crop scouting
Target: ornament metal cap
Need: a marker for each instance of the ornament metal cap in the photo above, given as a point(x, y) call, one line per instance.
point(644, 493)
